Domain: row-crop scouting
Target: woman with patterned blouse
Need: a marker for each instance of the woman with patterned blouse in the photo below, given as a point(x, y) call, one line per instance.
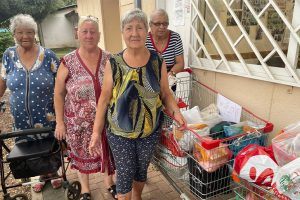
point(77, 90)
point(135, 88)
point(28, 71)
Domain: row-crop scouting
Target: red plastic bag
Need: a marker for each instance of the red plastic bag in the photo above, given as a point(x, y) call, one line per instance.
point(256, 164)
point(168, 140)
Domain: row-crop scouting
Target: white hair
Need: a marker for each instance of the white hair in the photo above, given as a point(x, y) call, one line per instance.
point(88, 18)
point(22, 20)
point(159, 12)
point(134, 14)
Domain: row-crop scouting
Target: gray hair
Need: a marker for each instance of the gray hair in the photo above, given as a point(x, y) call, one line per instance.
point(22, 20)
point(88, 18)
point(160, 12)
point(134, 14)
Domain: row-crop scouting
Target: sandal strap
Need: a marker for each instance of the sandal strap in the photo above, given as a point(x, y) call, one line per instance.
point(113, 191)
point(85, 196)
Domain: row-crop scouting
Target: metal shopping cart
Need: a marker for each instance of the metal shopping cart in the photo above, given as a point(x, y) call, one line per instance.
point(199, 166)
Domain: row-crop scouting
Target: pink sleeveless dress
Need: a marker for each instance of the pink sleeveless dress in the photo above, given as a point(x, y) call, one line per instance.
point(83, 91)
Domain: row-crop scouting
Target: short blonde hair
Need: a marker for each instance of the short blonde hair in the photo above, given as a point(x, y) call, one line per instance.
point(23, 20)
point(134, 14)
point(88, 18)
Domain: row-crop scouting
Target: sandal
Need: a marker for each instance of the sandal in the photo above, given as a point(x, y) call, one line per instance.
point(113, 191)
point(85, 196)
point(38, 187)
point(56, 183)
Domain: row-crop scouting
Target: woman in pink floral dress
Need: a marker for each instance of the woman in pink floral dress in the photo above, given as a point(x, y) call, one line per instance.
point(76, 94)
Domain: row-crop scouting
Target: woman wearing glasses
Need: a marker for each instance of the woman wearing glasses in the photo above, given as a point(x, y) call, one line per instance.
point(78, 87)
point(28, 71)
point(136, 88)
point(165, 42)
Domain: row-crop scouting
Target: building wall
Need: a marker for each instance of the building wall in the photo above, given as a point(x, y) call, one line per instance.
point(58, 31)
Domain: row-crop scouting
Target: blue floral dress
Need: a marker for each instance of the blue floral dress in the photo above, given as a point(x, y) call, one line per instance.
point(31, 91)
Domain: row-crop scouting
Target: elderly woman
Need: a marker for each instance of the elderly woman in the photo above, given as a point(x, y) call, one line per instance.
point(165, 42)
point(78, 87)
point(136, 88)
point(28, 71)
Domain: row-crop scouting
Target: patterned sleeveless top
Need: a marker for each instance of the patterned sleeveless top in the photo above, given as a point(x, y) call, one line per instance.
point(135, 110)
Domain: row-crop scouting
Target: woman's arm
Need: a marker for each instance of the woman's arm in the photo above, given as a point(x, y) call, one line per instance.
point(179, 65)
point(59, 101)
point(168, 99)
point(102, 106)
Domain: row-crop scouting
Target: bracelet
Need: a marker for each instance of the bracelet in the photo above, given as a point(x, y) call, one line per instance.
point(173, 73)
point(175, 111)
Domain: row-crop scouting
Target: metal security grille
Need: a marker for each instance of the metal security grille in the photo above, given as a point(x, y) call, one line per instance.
point(252, 38)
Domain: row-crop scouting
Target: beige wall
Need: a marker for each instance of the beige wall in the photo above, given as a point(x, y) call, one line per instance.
point(108, 13)
point(274, 102)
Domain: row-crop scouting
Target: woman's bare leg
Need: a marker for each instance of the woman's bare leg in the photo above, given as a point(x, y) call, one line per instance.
point(84, 181)
point(137, 189)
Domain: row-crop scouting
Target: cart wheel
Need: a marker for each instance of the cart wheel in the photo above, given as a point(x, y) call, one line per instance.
point(72, 192)
point(19, 197)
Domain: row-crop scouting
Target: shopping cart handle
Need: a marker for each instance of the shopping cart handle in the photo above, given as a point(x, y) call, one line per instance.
point(189, 70)
point(268, 128)
point(25, 132)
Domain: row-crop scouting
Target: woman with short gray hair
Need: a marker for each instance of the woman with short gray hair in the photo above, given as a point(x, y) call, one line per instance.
point(28, 71)
point(136, 88)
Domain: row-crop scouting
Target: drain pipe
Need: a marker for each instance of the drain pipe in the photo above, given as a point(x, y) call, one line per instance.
point(138, 4)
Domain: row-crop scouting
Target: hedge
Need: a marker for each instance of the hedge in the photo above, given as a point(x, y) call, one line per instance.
point(6, 40)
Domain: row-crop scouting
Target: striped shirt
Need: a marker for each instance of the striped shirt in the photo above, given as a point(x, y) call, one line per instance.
point(173, 48)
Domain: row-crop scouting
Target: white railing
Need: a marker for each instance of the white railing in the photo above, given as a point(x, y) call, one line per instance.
point(206, 50)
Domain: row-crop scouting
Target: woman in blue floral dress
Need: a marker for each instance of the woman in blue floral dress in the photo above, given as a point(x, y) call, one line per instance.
point(28, 71)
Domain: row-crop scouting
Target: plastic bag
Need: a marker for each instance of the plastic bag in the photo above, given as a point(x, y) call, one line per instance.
point(286, 145)
point(256, 164)
point(287, 180)
point(210, 115)
point(192, 116)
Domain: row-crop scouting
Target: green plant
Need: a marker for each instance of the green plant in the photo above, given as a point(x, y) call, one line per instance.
point(6, 40)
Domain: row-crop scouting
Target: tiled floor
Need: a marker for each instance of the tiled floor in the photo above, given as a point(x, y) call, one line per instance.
point(156, 188)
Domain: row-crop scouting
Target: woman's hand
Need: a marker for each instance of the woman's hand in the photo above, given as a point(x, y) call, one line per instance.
point(180, 120)
point(60, 131)
point(95, 148)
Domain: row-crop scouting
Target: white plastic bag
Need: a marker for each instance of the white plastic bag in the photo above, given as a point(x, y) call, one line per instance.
point(192, 116)
point(286, 146)
point(287, 180)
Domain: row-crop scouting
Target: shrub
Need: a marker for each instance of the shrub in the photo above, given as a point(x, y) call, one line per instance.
point(6, 40)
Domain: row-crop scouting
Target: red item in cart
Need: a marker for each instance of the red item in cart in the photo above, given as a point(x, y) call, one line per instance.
point(212, 159)
point(256, 164)
point(168, 140)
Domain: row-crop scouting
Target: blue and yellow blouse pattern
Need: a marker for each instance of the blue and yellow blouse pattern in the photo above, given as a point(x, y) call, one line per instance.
point(31, 91)
point(135, 109)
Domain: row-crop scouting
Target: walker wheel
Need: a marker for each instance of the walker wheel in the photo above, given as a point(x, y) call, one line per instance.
point(72, 192)
point(19, 197)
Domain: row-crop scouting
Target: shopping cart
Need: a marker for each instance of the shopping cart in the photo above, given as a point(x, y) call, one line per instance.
point(198, 166)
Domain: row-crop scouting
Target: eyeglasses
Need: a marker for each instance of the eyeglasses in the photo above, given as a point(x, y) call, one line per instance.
point(21, 33)
point(158, 24)
point(93, 18)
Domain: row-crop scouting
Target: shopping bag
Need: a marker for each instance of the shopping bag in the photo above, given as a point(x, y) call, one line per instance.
point(211, 160)
point(286, 145)
point(286, 182)
point(168, 141)
point(177, 165)
point(256, 164)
